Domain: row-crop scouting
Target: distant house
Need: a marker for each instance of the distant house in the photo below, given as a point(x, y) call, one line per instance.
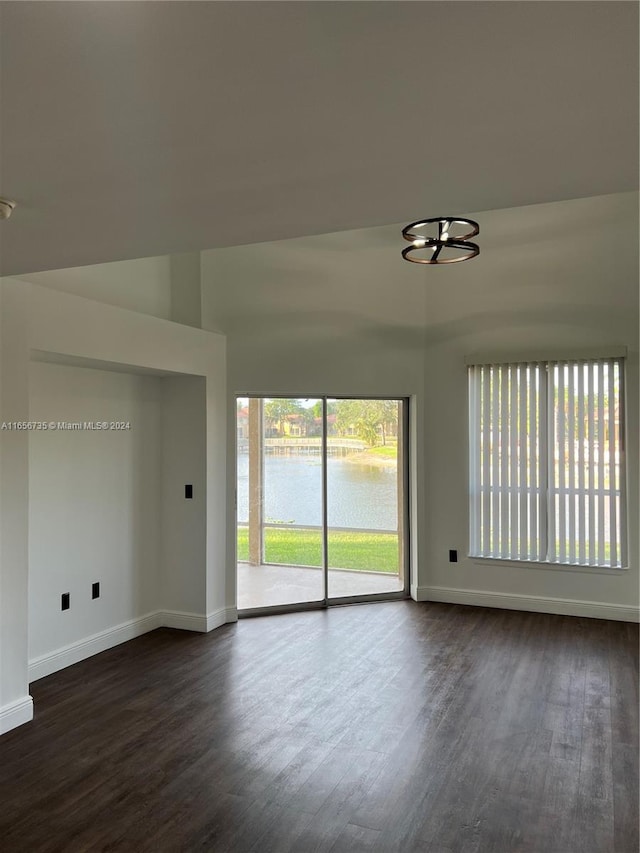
point(316, 427)
point(294, 425)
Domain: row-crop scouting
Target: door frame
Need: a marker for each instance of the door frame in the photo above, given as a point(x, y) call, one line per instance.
point(328, 601)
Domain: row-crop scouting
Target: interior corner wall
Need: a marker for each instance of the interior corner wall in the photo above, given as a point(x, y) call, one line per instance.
point(73, 338)
point(184, 440)
point(16, 706)
point(221, 575)
point(186, 302)
point(549, 278)
point(343, 314)
point(94, 503)
point(141, 284)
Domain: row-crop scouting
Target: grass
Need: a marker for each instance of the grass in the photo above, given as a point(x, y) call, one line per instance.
point(387, 451)
point(371, 552)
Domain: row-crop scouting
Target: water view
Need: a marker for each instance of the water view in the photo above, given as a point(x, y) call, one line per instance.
point(359, 495)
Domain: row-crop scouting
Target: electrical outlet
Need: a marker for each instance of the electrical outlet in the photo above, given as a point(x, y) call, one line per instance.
point(188, 492)
point(95, 590)
point(453, 556)
point(65, 601)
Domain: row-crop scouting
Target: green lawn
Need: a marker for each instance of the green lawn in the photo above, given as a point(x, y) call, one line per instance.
point(372, 552)
point(387, 451)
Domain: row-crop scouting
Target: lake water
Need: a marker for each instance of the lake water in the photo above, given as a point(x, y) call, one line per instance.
point(358, 495)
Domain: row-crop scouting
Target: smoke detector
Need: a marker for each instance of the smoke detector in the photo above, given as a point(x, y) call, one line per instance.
point(6, 208)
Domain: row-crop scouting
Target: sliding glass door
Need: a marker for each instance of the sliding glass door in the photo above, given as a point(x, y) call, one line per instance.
point(321, 501)
point(280, 539)
point(365, 497)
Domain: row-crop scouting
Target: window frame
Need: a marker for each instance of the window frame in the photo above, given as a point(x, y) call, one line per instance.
point(545, 458)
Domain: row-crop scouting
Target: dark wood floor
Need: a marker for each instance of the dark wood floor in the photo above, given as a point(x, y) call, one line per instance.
point(387, 727)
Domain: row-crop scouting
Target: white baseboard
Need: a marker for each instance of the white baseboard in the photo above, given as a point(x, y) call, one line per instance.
point(196, 621)
point(534, 603)
point(182, 621)
point(221, 617)
point(15, 714)
point(73, 653)
point(81, 649)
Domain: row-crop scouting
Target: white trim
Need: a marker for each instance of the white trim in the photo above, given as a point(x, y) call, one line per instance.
point(93, 645)
point(612, 571)
point(15, 714)
point(75, 652)
point(182, 621)
point(197, 621)
point(533, 603)
point(529, 356)
point(223, 616)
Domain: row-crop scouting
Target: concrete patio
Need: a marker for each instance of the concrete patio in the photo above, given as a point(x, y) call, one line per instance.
point(269, 585)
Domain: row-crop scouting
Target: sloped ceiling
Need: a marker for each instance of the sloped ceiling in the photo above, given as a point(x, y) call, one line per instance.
point(145, 128)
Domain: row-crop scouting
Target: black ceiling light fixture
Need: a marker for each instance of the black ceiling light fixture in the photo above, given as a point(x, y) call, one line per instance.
point(447, 247)
point(6, 208)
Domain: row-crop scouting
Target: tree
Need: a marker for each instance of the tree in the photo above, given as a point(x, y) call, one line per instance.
point(309, 416)
point(371, 419)
point(277, 410)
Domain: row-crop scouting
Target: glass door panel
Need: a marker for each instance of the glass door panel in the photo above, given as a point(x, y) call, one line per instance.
point(279, 502)
point(365, 497)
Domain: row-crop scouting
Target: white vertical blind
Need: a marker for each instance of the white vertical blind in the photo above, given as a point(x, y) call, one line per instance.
point(486, 460)
point(591, 469)
point(547, 462)
point(475, 451)
point(552, 451)
point(560, 463)
point(581, 464)
point(600, 498)
point(494, 443)
point(572, 368)
point(502, 447)
point(533, 376)
point(621, 466)
point(541, 461)
point(611, 467)
point(510, 493)
point(524, 485)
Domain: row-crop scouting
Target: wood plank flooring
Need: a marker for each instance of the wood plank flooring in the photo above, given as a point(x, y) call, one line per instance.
point(388, 727)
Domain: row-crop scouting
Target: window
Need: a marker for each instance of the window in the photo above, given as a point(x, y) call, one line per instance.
point(547, 462)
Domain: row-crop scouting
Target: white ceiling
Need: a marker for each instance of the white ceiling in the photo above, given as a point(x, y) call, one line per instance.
point(144, 128)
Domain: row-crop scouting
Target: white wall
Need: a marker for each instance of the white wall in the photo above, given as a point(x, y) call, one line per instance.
point(186, 304)
point(82, 335)
point(183, 538)
point(167, 286)
point(142, 285)
point(94, 503)
point(15, 703)
point(344, 314)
